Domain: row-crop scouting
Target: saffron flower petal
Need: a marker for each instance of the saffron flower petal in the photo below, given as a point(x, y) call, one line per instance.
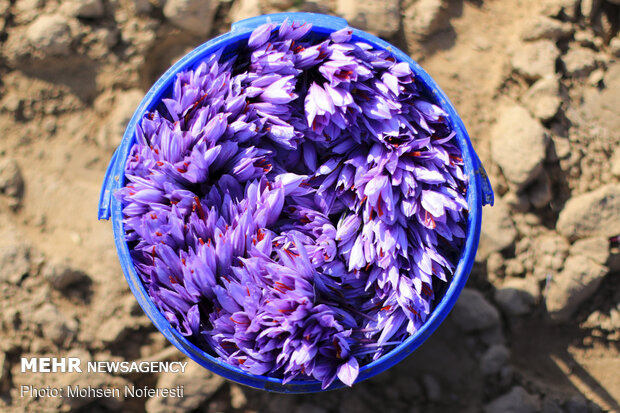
point(291, 208)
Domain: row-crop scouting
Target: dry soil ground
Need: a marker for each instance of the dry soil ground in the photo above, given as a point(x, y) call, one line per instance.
point(537, 84)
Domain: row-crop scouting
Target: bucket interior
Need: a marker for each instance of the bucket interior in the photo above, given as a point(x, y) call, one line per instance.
point(444, 299)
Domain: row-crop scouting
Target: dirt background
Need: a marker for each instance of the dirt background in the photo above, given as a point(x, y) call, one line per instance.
point(537, 84)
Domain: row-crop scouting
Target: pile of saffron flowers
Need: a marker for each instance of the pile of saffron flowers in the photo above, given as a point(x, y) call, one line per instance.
point(293, 206)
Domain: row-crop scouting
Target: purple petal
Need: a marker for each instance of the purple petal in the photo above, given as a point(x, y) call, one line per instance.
point(260, 35)
point(348, 372)
point(342, 35)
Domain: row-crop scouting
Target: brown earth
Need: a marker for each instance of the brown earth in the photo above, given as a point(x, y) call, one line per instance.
point(72, 73)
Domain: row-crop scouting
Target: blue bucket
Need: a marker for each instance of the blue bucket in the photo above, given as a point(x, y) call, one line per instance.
point(479, 193)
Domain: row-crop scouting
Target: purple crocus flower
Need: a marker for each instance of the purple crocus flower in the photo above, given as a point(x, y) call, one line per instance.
point(292, 209)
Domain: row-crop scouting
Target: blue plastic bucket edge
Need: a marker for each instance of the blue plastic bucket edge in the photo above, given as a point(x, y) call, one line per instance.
point(479, 193)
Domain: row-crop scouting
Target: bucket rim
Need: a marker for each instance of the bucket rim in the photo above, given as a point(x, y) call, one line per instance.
point(479, 193)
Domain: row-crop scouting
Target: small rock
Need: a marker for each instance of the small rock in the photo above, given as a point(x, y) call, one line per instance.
point(431, 388)
point(495, 264)
point(551, 244)
point(615, 162)
point(481, 43)
point(539, 192)
point(194, 16)
point(604, 24)
point(542, 98)
point(517, 296)
point(596, 77)
point(112, 330)
point(4, 373)
point(614, 318)
point(472, 312)
point(61, 276)
point(575, 284)
point(614, 46)
point(11, 320)
point(517, 201)
point(530, 219)
point(595, 248)
point(107, 36)
point(237, 397)
point(88, 9)
point(76, 238)
point(309, 408)
point(380, 17)
point(561, 148)
point(494, 359)
point(318, 6)
point(587, 39)
point(277, 4)
point(579, 61)
point(514, 267)
point(518, 136)
point(590, 214)
point(25, 5)
point(601, 321)
point(545, 28)
point(83, 354)
point(199, 384)
point(4, 6)
point(125, 104)
point(589, 8)
point(11, 181)
point(423, 18)
point(54, 325)
point(550, 250)
point(50, 34)
point(556, 8)
point(517, 400)
point(243, 9)
point(498, 231)
point(142, 6)
point(14, 262)
point(600, 106)
point(12, 102)
point(535, 60)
